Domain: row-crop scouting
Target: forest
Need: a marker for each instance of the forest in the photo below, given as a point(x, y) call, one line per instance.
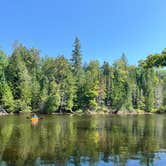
point(32, 83)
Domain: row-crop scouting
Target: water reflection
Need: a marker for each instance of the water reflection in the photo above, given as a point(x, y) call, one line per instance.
point(83, 140)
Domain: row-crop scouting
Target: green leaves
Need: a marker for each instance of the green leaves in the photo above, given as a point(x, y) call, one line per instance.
point(58, 81)
point(52, 103)
point(76, 59)
point(156, 60)
point(6, 97)
point(55, 84)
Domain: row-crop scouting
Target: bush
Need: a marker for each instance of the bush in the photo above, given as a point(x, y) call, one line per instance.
point(162, 109)
point(21, 106)
point(52, 104)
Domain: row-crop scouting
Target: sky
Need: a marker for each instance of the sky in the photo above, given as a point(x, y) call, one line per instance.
point(106, 28)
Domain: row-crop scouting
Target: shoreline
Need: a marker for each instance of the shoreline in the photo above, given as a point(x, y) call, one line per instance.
point(99, 111)
point(85, 113)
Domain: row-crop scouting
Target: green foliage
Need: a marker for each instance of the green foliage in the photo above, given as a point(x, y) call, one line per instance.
point(156, 60)
point(35, 93)
point(21, 106)
point(52, 103)
point(161, 109)
point(18, 75)
point(55, 84)
point(76, 57)
point(3, 61)
point(91, 95)
point(149, 89)
point(7, 97)
point(121, 85)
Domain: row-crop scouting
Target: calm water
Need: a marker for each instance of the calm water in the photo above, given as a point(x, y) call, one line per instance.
point(83, 140)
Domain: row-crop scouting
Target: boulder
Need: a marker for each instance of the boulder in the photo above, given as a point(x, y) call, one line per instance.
point(2, 111)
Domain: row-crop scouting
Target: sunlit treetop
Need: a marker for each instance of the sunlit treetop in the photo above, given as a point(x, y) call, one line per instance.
point(156, 60)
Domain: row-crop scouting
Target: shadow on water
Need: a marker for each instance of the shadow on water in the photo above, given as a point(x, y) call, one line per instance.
point(83, 140)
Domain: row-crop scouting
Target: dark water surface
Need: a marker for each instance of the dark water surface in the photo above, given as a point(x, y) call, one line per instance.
point(83, 140)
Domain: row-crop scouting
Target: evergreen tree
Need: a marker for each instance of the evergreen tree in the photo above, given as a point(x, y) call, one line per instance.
point(6, 99)
point(107, 78)
point(31, 83)
point(17, 74)
point(76, 60)
point(149, 90)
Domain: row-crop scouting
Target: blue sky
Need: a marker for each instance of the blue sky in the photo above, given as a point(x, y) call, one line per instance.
point(106, 28)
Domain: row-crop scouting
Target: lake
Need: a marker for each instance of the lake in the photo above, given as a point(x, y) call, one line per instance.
point(64, 140)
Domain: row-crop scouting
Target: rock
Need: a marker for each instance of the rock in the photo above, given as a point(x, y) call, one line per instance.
point(2, 111)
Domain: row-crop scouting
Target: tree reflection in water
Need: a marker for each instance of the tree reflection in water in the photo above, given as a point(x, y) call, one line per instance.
point(83, 140)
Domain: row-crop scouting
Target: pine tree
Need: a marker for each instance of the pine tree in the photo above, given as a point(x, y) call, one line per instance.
point(20, 79)
point(76, 60)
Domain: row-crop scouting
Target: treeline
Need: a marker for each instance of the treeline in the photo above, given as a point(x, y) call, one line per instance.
point(29, 82)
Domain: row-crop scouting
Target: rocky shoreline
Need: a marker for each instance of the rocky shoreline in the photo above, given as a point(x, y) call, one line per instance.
point(88, 112)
